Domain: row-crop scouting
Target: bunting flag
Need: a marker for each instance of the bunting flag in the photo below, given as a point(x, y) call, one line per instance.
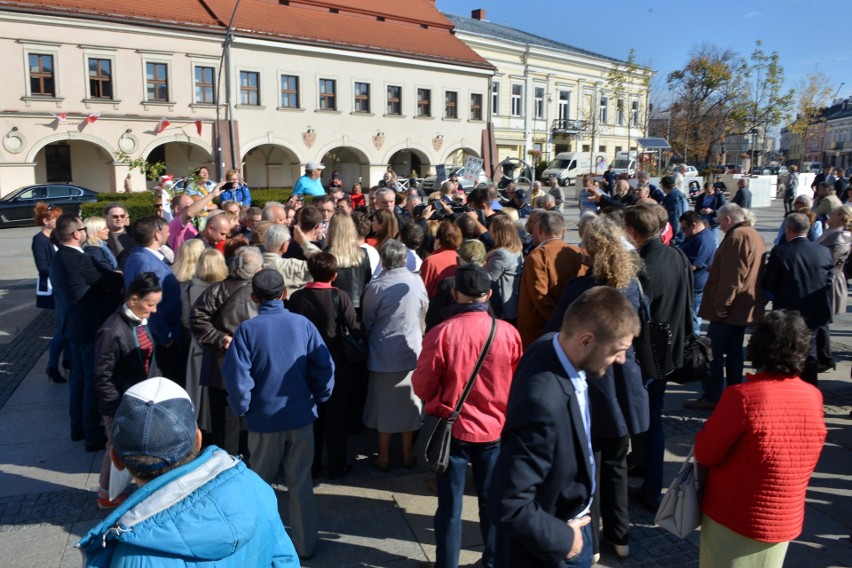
point(61, 117)
point(198, 126)
point(93, 117)
point(162, 125)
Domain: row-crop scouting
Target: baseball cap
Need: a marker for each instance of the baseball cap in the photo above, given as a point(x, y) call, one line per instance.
point(521, 194)
point(472, 280)
point(155, 418)
point(314, 166)
point(267, 283)
point(472, 251)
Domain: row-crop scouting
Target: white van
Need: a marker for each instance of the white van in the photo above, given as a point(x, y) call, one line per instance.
point(567, 166)
point(624, 163)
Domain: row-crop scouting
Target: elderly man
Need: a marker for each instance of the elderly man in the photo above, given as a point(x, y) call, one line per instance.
point(743, 195)
point(620, 199)
point(294, 271)
point(546, 271)
point(826, 200)
point(801, 202)
point(310, 184)
point(275, 213)
point(654, 192)
point(555, 191)
point(733, 299)
point(229, 518)
point(680, 178)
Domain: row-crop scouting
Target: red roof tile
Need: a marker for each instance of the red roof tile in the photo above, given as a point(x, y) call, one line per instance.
point(412, 28)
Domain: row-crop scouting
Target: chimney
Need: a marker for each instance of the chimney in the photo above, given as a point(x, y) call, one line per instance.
point(478, 14)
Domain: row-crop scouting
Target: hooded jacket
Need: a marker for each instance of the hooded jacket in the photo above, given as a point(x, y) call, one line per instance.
point(213, 511)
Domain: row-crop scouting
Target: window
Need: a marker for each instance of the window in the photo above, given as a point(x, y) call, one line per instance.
point(204, 93)
point(327, 94)
point(602, 148)
point(619, 109)
point(602, 112)
point(517, 96)
point(100, 78)
point(476, 106)
point(564, 105)
point(362, 97)
point(634, 113)
point(586, 147)
point(539, 102)
point(42, 80)
point(424, 102)
point(495, 97)
point(157, 81)
point(289, 91)
point(451, 104)
point(394, 100)
point(249, 93)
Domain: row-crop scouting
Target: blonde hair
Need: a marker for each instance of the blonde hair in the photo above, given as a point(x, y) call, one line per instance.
point(186, 259)
point(845, 213)
point(512, 213)
point(612, 262)
point(342, 240)
point(93, 226)
point(505, 233)
point(211, 266)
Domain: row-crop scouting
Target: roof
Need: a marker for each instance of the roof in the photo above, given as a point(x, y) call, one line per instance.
point(403, 28)
point(496, 31)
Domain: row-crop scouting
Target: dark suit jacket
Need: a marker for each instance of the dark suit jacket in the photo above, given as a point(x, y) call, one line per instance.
point(80, 285)
point(742, 198)
point(542, 477)
point(798, 274)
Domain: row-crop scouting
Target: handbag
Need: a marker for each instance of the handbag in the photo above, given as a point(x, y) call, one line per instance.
point(433, 442)
point(697, 356)
point(680, 508)
point(354, 348)
point(653, 345)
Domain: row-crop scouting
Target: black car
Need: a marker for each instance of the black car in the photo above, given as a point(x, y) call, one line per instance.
point(16, 209)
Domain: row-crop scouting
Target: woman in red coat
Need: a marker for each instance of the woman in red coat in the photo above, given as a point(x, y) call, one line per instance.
point(761, 446)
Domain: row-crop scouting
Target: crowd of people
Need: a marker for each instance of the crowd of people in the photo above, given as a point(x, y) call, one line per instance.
point(289, 327)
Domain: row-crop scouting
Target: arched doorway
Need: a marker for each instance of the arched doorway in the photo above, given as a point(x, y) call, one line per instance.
point(81, 162)
point(181, 158)
point(458, 156)
point(352, 165)
point(270, 165)
point(407, 160)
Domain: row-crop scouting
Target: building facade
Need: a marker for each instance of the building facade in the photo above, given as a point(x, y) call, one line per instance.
point(357, 86)
point(547, 97)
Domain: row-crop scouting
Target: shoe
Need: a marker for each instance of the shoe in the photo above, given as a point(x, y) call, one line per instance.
point(621, 550)
point(639, 495)
point(383, 467)
point(66, 364)
point(77, 435)
point(338, 474)
point(55, 376)
point(702, 403)
point(105, 503)
point(826, 367)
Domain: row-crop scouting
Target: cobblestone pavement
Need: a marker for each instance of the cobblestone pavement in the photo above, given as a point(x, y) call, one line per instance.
point(18, 356)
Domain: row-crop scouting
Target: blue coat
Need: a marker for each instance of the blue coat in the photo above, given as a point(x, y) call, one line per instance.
point(229, 519)
point(675, 203)
point(165, 325)
point(241, 195)
point(277, 369)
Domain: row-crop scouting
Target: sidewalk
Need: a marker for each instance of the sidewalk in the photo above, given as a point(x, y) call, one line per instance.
point(48, 483)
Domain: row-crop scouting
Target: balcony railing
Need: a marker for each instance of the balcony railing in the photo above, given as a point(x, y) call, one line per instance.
point(562, 126)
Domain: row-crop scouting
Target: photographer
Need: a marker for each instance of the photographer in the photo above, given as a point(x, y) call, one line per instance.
point(235, 190)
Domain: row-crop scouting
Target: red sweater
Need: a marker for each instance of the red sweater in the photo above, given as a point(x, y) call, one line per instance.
point(439, 265)
point(761, 446)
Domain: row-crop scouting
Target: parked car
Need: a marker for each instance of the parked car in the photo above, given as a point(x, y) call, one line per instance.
point(431, 184)
point(733, 169)
point(16, 209)
point(691, 171)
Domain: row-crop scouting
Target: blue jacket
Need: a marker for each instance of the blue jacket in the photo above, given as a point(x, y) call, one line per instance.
point(277, 369)
point(165, 325)
point(241, 195)
point(675, 203)
point(213, 511)
point(306, 185)
point(700, 249)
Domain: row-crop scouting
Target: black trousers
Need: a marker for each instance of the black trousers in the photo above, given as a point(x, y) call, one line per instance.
point(610, 502)
point(332, 426)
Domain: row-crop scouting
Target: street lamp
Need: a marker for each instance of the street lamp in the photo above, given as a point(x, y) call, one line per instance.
point(225, 64)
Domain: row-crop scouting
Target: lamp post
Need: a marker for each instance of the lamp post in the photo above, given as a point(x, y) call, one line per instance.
point(225, 65)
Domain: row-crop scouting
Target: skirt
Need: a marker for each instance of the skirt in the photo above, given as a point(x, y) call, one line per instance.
point(392, 407)
point(723, 548)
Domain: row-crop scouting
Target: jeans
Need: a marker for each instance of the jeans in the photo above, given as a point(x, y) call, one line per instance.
point(448, 523)
point(696, 321)
point(584, 560)
point(82, 397)
point(728, 358)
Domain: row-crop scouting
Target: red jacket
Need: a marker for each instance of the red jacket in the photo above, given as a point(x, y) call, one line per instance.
point(761, 446)
point(439, 265)
point(450, 351)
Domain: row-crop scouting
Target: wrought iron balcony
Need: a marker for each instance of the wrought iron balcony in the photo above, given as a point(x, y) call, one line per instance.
point(563, 126)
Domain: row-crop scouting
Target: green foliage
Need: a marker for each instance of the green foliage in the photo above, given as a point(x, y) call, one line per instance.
point(259, 197)
point(151, 170)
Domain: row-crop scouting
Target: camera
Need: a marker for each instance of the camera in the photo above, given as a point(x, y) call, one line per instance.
point(228, 186)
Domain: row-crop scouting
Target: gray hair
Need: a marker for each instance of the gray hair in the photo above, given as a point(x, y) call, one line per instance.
point(732, 210)
point(269, 210)
point(805, 200)
point(393, 254)
point(275, 236)
point(797, 223)
point(385, 191)
point(586, 218)
point(551, 223)
point(247, 261)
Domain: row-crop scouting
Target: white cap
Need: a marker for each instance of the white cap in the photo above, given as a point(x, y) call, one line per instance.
point(314, 166)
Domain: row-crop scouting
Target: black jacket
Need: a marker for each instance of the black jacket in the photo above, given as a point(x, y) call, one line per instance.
point(354, 279)
point(798, 274)
point(119, 362)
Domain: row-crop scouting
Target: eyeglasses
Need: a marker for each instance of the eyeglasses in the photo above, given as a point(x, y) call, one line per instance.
point(119, 216)
point(81, 229)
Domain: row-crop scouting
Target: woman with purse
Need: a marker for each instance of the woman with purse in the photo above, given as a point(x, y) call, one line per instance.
point(330, 310)
point(43, 249)
point(761, 445)
point(469, 339)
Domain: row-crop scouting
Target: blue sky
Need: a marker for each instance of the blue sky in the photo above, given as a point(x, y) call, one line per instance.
point(807, 34)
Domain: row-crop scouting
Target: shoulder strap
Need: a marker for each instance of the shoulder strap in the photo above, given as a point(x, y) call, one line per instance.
point(469, 386)
point(342, 329)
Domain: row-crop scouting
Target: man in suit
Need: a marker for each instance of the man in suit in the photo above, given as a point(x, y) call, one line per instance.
point(798, 276)
point(151, 233)
point(544, 475)
point(80, 285)
point(546, 271)
point(743, 195)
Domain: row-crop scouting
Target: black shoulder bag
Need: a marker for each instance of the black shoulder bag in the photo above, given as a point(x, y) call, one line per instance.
point(354, 349)
point(433, 442)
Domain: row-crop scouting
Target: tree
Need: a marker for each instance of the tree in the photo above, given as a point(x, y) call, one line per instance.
point(812, 97)
point(621, 78)
point(704, 94)
point(151, 170)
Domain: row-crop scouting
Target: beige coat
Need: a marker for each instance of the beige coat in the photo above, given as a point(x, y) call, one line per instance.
point(838, 242)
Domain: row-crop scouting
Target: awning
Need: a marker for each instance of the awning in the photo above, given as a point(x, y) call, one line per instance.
point(654, 143)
